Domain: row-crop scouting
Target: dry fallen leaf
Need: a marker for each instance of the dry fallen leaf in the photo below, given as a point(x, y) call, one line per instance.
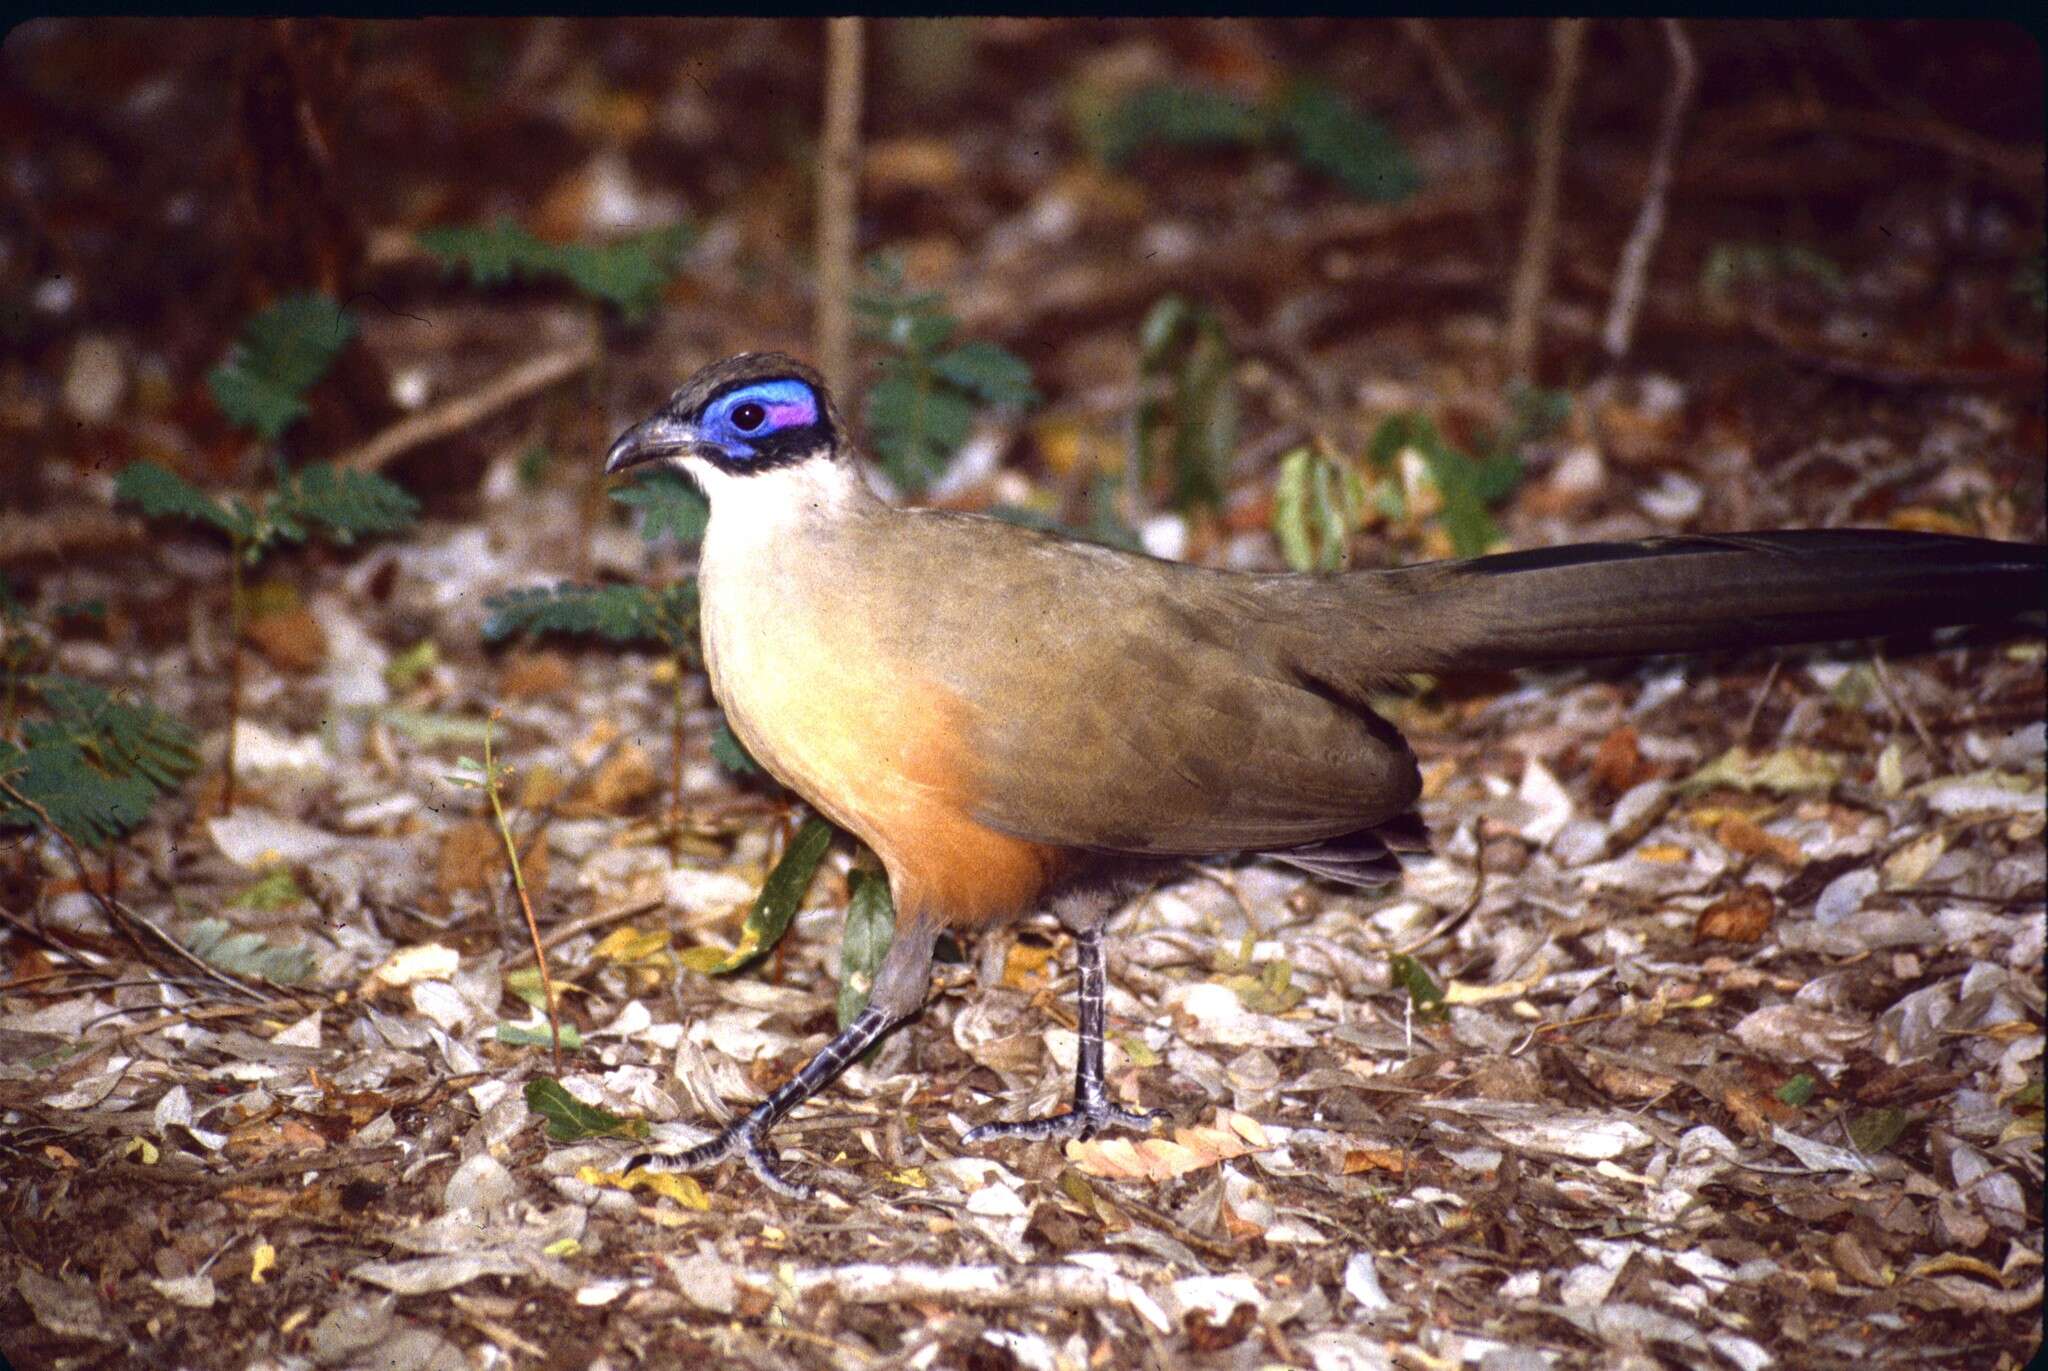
point(1741, 917)
point(1161, 1159)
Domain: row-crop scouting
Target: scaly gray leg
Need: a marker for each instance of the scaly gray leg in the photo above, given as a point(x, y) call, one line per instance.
point(1092, 1111)
point(899, 991)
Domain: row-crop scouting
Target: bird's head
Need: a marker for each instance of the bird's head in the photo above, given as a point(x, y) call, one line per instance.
point(750, 414)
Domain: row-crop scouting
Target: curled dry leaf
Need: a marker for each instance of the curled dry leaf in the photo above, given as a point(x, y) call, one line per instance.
point(1160, 1159)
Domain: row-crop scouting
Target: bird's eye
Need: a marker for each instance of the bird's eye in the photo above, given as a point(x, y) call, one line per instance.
point(749, 417)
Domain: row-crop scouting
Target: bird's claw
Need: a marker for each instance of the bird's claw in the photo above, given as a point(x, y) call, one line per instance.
point(741, 1138)
point(1082, 1121)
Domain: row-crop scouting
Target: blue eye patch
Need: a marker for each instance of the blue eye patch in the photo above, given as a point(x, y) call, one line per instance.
point(764, 423)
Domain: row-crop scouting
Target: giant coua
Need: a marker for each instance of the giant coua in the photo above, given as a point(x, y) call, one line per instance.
point(1013, 720)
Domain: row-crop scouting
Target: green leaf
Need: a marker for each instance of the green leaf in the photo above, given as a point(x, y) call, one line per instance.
point(346, 504)
point(667, 504)
point(729, 752)
point(283, 351)
point(618, 613)
point(571, 1120)
point(215, 942)
point(278, 890)
point(94, 763)
point(1318, 503)
point(1177, 115)
point(915, 430)
point(1875, 1131)
point(1356, 150)
point(1423, 993)
point(540, 1035)
point(988, 372)
point(161, 493)
point(780, 896)
point(629, 275)
point(1797, 1091)
point(863, 941)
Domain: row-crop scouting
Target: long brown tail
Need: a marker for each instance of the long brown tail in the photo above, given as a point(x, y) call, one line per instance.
point(1694, 594)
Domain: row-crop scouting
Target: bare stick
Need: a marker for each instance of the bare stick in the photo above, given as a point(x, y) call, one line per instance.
point(1627, 301)
point(1532, 271)
point(453, 416)
point(838, 188)
point(988, 1287)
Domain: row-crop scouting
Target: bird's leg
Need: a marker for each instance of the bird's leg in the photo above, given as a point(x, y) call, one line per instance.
point(899, 991)
point(1092, 1111)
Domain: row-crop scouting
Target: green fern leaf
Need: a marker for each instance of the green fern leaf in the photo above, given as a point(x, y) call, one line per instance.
point(347, 504)
point(667, 504)
point(161, 493)
point(282, 352)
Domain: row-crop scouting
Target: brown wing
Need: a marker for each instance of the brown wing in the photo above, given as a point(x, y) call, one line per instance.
point(1120, 703)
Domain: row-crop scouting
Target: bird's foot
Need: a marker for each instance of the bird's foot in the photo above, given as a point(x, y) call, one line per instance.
point(741, 1138)
point(1082, 1121)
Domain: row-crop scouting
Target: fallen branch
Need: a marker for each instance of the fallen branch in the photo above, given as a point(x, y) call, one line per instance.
point(984, 1287)
point(463, 411)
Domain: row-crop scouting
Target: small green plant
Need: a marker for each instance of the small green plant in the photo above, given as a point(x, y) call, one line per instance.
point(920, 411)
point(628, 275)
point(74, 757)
point(490, 776)
point(1185, 435)
point(775, 907)
point(1315, 123)
point(283, 352)
point(333, 503)
point(864, 938)
point(1319, 501)
point(1467, 484)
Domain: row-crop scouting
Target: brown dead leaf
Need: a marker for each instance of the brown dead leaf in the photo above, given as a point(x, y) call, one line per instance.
point(289, 639)
point(1742, 835)
point(1160, 1159)
point(1204, 1336)
point(625, 778)
point(1025, 968)
point(1362, 1159)
point(1742, 917)
point(1618, 765)
point(534, 675)
point(471, 855)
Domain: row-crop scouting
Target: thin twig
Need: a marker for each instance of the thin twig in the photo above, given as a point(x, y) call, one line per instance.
point(1532, 270)
point(1763, 693)
point(540, 957)
point(561, 933)
point(117, 914)
point(1478, 889)
point(1900, 708)
point(838, 190)
point(1634, 269)
point(454, 415)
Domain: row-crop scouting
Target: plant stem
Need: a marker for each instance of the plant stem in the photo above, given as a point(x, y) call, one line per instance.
point(547, 983)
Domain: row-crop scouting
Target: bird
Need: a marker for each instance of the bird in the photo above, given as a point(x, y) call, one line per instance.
point(1014, 721)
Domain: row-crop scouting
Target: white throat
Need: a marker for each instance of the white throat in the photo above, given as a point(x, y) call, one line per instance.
point(776, 499)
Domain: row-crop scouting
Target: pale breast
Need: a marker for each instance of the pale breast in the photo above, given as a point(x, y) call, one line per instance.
point(792, 646)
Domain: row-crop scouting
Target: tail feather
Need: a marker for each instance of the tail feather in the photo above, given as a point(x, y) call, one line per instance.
point(1694, 594)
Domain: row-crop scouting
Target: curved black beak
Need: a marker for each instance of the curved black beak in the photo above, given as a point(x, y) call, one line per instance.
point(650, 440)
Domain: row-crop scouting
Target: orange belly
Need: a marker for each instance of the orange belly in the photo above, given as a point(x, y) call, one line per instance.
point(884, 757)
